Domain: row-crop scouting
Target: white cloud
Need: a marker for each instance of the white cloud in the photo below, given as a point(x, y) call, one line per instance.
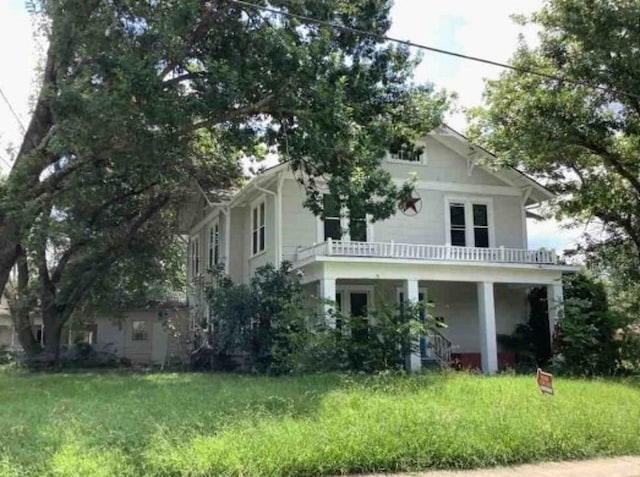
point(18, 57)
point(483, 29)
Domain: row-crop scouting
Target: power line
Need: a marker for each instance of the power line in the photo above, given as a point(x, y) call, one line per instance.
point(13, 111)
point(431, 48)
point(17, 118)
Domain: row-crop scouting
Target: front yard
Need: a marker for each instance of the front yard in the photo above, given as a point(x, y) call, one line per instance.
point(192, 424)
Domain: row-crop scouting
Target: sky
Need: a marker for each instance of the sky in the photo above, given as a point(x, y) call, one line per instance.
point(472, 27)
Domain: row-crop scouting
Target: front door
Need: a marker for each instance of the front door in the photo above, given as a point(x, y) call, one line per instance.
point(355, 302)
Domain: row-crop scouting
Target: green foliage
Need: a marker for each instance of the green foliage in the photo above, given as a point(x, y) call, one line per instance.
point(273, 323)
point(581, 140)
point(586, 343)
point(262, 319)
point(380, 342)
point(138, 99)
point(530, 341)
point(212, 425)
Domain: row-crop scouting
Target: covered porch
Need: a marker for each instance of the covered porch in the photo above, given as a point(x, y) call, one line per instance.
point(476, 301)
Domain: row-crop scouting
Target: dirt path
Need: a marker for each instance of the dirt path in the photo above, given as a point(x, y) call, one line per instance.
point(614, 467)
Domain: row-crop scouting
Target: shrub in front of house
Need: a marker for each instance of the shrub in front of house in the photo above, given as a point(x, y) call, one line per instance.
point(271, 326)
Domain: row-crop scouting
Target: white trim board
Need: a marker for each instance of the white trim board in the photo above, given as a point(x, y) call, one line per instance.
point(346, 290)
point(460, 187)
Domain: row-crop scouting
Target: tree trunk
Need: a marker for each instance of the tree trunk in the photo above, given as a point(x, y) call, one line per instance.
point(49, 355)
point(22, 325)
point(25, 174)
point(8, 257)
point(19, 306)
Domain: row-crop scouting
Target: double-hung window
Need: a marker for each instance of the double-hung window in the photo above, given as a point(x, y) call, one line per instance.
point(332, 218)
point(139, 330)
point(480, 225)
point(258, 228)
point(195, 257)
point(469, 223)
point(458, 224)
point(214, 244)
point(335, 223)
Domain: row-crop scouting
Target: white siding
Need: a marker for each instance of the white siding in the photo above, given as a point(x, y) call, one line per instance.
point(443, 165)
point(427, 227)
point(299, 225)
point(238, 238)
point(457, 303)
point(269, 253)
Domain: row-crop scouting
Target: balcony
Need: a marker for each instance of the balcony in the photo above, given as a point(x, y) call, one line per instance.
point(426, 253)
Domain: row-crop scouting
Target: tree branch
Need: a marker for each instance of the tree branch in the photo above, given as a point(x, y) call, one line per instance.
point(196, 33)
point(614, 160)
point(74, 247)
point(92, 270)
point(260, 107)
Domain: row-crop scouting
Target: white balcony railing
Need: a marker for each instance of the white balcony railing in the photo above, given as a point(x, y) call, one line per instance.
point(412, 251)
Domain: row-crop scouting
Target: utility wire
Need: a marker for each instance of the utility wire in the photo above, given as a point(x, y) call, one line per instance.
point(431, 48)
point(17, 118)
point(13, 111)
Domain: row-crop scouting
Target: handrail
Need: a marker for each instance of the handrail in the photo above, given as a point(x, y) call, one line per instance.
point(412, 251)
point(440, 346)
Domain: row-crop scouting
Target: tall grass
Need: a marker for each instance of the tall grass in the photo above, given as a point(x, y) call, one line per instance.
point(190, 424)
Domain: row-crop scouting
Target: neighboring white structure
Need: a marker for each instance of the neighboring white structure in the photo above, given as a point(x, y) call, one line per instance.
point(140, 335)
point(461, 243)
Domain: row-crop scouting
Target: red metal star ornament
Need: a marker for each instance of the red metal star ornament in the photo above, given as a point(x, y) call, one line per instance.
point(413, 205)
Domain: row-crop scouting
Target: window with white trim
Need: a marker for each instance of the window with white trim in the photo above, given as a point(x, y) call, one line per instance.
point(214, 244)
point(332, 218)
point(458, 225)
point(258, 228)
point(480, 225)
point(139, 330)
point(415, 154)
point(337, 226)
point(469, 223)
point(195, 257)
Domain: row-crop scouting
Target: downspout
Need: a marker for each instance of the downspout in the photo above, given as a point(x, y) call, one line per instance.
point(523, 208)
point(278, 218)
point(227, 238)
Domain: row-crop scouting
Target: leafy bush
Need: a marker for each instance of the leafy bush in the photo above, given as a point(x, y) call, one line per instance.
point(530, 342)
point(85, 355)
point(279, 329)
point(585, 343)
point(262, 319)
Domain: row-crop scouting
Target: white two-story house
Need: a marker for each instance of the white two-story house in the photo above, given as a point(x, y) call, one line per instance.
point(460, 243)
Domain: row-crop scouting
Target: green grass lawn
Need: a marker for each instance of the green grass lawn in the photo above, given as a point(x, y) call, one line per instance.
point(191, 424)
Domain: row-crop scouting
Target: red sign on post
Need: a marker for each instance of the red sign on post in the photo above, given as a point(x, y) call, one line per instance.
point(545, 381)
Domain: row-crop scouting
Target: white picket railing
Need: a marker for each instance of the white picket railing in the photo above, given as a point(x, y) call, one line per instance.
point(412, 251)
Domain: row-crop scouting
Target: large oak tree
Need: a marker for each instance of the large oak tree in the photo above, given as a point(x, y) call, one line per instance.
point(581, 135)
point(139, 98)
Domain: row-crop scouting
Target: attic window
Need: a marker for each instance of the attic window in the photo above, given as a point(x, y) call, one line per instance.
point(407, 153)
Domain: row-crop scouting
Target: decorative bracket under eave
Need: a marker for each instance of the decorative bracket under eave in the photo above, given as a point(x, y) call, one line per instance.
point(527, 193)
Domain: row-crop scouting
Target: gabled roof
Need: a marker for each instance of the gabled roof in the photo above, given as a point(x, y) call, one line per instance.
point(534, 191)
point(459, 143)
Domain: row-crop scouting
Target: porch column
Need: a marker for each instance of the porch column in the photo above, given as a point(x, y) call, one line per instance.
point(555, 306)
point(411, 293)
point(488, 341)
point(328, 294)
